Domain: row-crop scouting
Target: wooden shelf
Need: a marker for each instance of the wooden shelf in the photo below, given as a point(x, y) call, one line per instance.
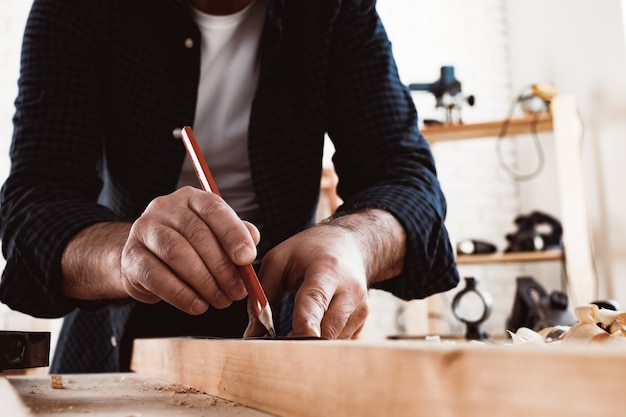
point(517, 126)
point(494, 258)
point(566, 126)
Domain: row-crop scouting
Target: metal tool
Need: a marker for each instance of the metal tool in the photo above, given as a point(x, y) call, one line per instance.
point(447, 92)
point(536, 309)
point(474, 331)
point(535, 231)
point(21, 350)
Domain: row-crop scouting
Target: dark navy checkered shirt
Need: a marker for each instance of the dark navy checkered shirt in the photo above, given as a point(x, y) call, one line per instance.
point(104, 83)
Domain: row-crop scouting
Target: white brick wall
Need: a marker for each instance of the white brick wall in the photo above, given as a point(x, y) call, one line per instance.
point(482, 198)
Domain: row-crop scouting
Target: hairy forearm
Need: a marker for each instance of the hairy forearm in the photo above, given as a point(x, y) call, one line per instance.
point(91, 262)
point(382, 240)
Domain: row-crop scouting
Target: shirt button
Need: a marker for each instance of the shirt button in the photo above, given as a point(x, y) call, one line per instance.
point(113, 341)
point(177, 133)
point(188, 43)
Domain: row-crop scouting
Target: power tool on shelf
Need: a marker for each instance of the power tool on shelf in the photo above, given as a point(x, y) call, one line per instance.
point(447, 92)
point(537, 98)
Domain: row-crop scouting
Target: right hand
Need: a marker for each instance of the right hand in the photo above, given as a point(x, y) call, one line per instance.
point(184, 249)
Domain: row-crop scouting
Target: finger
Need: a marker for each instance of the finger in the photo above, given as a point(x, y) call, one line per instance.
point(188, 245)
point(214, 267)
point(146, 277)
point(218, 283)
point(310, 305)
point(336, 317)
point(357, 333)
point(233, 235)
point(273, 274)
point(353, 325)
point(254, 232)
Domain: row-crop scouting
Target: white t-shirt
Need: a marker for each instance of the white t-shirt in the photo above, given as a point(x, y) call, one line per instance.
point(228, 78)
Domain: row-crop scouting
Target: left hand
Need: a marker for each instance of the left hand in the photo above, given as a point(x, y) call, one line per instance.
point(326, 267)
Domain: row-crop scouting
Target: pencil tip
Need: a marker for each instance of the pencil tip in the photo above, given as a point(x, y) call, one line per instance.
point(265, 317)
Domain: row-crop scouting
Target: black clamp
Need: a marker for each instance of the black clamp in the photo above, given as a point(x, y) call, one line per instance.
point(20, 350)
point(474, 331)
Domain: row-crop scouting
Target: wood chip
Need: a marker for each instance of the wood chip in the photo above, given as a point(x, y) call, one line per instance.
point(56, 382)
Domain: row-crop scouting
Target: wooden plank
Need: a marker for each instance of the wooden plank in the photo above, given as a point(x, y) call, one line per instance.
point(394, 378)
point(577, 241)
point(517, 126)
point(498, 258)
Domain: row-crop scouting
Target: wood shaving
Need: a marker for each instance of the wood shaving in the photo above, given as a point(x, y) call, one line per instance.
point(56, 382)
point(595, 325)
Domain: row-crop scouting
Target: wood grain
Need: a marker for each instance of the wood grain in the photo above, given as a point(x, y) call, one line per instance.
point(394, 378)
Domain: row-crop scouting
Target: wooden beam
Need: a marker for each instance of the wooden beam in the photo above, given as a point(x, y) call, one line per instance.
point(577, 238)
point(394, 378)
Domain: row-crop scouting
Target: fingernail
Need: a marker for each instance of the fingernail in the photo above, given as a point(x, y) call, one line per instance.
point(199, 306)
point(237, 290)
point(244, 254)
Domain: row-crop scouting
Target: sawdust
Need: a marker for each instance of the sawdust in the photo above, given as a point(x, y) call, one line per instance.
point(119, 395)
point(177, 389)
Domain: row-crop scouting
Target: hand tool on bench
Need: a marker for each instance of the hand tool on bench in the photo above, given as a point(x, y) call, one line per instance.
point(22, 350)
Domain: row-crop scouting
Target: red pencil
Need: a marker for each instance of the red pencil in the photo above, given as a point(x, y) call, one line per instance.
point(255, 292)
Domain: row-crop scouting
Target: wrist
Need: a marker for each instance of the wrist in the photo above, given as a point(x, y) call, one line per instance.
point(380, 238)
point(91, 262)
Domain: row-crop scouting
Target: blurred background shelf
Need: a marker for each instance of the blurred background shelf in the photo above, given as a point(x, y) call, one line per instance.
point(517, 126)
point(564, 122)
point(493, 258)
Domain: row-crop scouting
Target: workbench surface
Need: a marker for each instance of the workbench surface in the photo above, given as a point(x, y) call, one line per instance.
point(111, 395)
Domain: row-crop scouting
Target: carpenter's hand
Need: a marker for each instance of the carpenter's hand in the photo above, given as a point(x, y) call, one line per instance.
point(325, 266)
point(184, 249)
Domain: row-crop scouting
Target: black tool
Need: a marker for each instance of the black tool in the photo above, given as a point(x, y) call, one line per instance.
point(475, 247)
point(535, 309)
point(21, 350)
point(536, 231)
point(447, 92)
point(474, 332)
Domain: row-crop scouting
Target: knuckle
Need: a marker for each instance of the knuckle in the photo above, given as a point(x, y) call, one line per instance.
point(319, 297)
point(197, 232)
point(331, 331)
point(361, 312)
point(224, 272)
point(216, 208)
point(162, 239)
point(158, 203)
point(180, 297)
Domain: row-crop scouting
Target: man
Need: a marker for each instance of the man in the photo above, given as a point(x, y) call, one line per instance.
point(99, 226)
